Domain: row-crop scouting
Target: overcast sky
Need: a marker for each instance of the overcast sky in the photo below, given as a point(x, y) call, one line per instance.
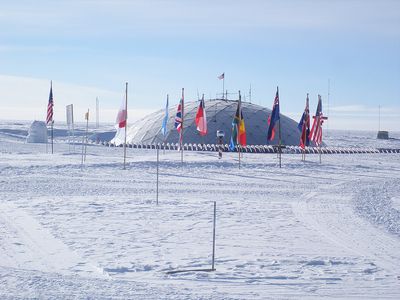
point(91, 48)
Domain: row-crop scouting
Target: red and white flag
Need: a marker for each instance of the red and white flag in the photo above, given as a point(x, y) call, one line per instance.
point(201, 119)
point(316, 129)
point(122, 115)
point(49, 118)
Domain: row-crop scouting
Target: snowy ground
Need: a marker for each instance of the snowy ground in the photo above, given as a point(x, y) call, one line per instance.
point(308, 230)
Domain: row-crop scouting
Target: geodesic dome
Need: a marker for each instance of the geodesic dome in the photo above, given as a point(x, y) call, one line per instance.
point(220, 114)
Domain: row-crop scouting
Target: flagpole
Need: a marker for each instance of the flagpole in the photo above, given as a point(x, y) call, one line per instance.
point(52, 121)
point(126, 121)
point(158, 159)
point(86, 134)
point(280, 137)
point(238, 130)
point(319, 150)
point(52, 136)
point(213, 252)
point(223, 87)
point(166, 123)
point(183, 113)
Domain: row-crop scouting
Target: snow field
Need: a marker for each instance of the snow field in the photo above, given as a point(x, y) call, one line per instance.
point(304, 231)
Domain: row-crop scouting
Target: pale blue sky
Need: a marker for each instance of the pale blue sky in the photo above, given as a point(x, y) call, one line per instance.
point(90, 48)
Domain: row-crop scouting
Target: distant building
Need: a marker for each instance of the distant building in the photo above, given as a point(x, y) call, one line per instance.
point(219, 117)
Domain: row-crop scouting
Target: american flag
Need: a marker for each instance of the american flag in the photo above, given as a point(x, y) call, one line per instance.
point(222, 76)
point(179, 117)
point(50, 105)
point(316, 129)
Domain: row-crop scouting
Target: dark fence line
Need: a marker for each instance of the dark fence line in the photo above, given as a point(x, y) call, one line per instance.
point(257, 148)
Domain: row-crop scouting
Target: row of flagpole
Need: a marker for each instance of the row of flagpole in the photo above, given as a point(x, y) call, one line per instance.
point(238, 134)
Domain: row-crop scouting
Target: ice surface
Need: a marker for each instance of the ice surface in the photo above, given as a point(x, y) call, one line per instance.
point(308, 230)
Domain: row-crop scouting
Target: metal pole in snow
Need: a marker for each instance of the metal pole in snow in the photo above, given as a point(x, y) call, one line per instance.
point(126, 120)
point(52, 136)
point(213, 253)
point(86, 133)
point(158, 156)
point(183, 113)
point(83, 146)
point(319, 148)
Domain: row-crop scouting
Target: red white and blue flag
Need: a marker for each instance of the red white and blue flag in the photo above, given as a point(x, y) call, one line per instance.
point(316, 129)
point(179, 117)
point(274, 117)
point(304, 126)
point(201, 119)
point(49, 118)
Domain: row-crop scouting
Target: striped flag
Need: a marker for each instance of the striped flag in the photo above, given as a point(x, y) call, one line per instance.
point(179, 118)
point(49, 118)
point(201, 119)
point(222, 76)
point(304, 126)
point(316, 129)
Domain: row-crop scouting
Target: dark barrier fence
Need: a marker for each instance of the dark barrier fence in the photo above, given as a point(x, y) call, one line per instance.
point(257, 148)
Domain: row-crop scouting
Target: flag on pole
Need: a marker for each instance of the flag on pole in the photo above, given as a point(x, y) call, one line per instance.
point(222, 76)
point(274, 117)
point(165, 120)
point(179, 118)
point(122, 115)
point(50, 105)
point(316, 129)
point(304, 126)
point(87, 115)
point(201, 119)
point(238, 136)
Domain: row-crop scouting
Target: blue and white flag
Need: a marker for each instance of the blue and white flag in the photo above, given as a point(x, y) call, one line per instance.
point(164, 123)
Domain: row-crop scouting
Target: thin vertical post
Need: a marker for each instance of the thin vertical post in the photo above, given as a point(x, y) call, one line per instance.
point(182, 127)
point(329, 93)
point(73, 129)
point(280, 144)
point(223, 87)
point(158, 159)
point(213, 250)
point(97, 113)
point(250, 93)
point(52, 136)
point(86, 133)
point(239, 148)
point(126, 121)
point(319, 150)
point(83, 146)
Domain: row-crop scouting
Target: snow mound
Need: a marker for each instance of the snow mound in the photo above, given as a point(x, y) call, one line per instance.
point(37, 132)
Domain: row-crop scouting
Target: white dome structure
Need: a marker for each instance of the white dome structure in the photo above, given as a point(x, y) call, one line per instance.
point(219, 117)
point(37, 132)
